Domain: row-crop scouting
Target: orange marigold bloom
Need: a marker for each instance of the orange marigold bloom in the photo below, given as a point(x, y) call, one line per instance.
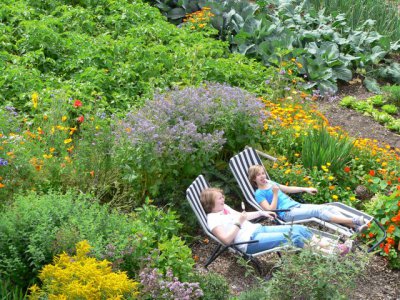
point(346, 169)
point(1, 185)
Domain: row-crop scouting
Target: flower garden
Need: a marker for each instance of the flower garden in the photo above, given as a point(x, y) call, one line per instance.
point(109, 111)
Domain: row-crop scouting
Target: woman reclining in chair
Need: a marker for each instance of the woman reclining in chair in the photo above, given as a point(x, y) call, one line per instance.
point(230, 226)
point(271, 195)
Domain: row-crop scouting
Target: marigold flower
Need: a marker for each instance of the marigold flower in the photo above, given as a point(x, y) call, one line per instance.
point(346, 169)
point(1, 185)
point(77, 103)
point(35, 99)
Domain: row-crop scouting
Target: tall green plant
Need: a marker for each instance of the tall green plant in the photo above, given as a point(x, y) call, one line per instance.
point(320, 148)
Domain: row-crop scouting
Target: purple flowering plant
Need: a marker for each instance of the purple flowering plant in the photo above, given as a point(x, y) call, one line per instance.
point(155, 285)
point(180, 133)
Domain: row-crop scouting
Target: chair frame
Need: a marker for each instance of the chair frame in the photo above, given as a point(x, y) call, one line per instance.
point(193, 196)
point(239, 165)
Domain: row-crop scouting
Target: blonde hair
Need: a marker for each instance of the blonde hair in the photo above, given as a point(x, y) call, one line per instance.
point(207, 198)
point(253, 172)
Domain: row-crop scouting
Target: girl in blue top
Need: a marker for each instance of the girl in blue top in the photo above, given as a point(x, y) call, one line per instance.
point(271, 195)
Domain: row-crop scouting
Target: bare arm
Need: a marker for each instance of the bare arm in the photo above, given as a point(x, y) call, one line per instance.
point(274, 203)
point(297, 189)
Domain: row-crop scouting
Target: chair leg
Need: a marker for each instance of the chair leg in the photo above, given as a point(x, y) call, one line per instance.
point(213, 256)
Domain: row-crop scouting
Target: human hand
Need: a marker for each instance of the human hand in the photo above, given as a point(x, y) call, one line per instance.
point(269, 214)
point(242, 217)
point(311, 190)
point(275, 188)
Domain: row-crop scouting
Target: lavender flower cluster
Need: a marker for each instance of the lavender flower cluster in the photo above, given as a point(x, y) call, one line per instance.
point(158, 286)
point(189, 120)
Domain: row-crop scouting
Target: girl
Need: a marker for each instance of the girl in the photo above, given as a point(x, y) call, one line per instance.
point(271, 195)
point(230, 226)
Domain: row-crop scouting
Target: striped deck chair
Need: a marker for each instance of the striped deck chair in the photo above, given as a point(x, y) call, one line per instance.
point(193, 196)
point(239, 165)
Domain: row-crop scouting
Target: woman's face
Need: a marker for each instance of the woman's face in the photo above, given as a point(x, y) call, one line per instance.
point(219, 202)
point(261, 178)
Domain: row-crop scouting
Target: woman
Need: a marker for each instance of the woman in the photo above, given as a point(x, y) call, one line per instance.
point(271, 196)
point(230, 226)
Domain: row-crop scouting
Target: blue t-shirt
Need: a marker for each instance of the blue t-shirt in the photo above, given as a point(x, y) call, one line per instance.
point(284, 201)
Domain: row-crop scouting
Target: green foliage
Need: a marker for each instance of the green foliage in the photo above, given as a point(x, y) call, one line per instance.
point(256, 293)
point(392, 93)
point(10, 292)
point(386, 210)
point(357, 12)
point(390, 109)
point(348, 101)
point(311, 276)
point(214, 286)
point(321, 148)
point(35, 228)
point(120, 51)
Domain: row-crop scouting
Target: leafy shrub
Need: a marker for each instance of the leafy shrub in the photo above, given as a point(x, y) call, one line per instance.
point(321, 148)
point(155, 285)
point(307, 275)
point(392, 93)
point(81, 276)
point(173, 138)
point(35, 228)
point(213, 285)
point(377, 100)
point(386, 209)
point(390, 109)
point(257, 293)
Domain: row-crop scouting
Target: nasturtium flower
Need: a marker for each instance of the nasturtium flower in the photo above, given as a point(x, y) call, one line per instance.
point(77, 103)
point(372, 172)
point(391, 229)
point(346, 169)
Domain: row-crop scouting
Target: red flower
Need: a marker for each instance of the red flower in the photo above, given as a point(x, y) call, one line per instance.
point(389, 182)
point(390, 241)
point(386, 248)
point(372, 172)
point(346, 169)
point(77, 103)
point(371, 235)
point(80, 119)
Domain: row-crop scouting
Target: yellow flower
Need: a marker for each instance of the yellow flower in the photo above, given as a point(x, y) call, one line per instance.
point(47, 156)
point(64, 118)
point(335, 197)
point(330, 178)
point(67, 141)
point(352, 198)
point(45, 117)
point(35, 99)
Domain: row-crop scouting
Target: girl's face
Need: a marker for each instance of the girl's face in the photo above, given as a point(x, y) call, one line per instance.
point(219, 202)
point(261, 178)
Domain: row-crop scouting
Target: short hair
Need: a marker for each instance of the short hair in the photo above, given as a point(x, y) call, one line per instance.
point(253, 172)
point(207, 198)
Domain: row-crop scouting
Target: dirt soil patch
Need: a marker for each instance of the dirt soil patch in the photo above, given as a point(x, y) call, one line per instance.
point(378, 282)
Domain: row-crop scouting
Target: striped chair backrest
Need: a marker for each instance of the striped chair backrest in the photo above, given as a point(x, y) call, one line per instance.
point(239, 165)
point(193, 196)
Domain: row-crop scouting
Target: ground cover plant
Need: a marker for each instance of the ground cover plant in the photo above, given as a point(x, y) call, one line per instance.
point(97, 99)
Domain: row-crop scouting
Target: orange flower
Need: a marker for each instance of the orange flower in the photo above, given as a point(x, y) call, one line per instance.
point(372, 172)
point(347, 169)
point(371, 235)
point(196, 258)
point(80, 119)
point(91, 173)
point(389, 182)
point(1, 185)
point(391, 229)
point(390, 241)
point(206, 241)
point(386, 248)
